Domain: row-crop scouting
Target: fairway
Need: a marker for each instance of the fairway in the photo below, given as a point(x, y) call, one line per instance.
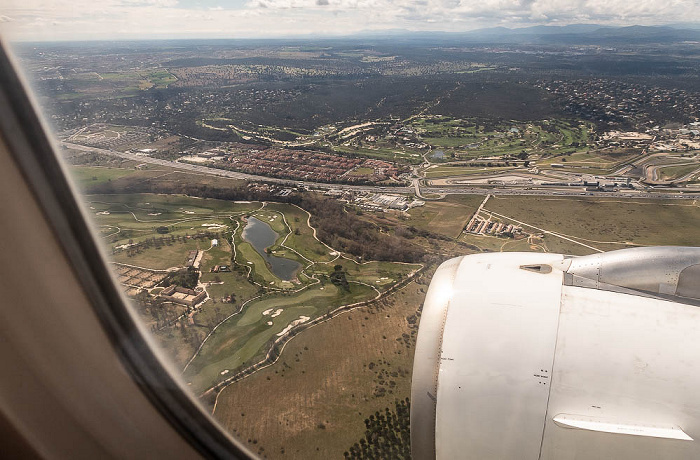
point(242, 339)
point(379, 274)
point(301, 236)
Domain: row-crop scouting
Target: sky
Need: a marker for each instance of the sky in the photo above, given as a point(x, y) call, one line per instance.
point(143, 19)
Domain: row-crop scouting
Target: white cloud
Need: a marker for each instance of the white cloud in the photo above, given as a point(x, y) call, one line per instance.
point(85, 19)
point(166, 3)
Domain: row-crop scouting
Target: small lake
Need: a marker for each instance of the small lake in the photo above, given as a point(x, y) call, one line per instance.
point(261, 236)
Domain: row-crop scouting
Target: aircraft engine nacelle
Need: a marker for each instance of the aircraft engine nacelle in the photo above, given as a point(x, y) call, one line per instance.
point(543, 356)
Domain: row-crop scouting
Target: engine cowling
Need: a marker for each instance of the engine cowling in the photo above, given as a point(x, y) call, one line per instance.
point(544, 356)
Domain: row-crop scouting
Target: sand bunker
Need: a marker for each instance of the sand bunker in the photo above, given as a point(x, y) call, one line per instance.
point(302, 319)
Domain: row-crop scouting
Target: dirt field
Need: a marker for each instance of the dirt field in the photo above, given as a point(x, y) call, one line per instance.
point(604, 223)
point(312, 403)
point(448, 216)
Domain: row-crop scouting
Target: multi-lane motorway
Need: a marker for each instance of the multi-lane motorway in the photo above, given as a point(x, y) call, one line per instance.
point(456, 190)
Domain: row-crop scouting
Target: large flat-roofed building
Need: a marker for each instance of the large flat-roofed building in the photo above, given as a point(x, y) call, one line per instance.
point(183, 295)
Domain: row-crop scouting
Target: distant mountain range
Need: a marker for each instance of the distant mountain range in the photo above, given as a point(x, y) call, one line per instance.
point(575, 34)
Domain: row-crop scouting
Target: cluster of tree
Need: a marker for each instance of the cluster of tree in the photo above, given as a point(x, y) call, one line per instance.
point(338, 277)
point(411, 232)
point(186, 277)
point(295, 175)
point(190, 335)
point(385, 378)
point(164, 313)
point(387, 434)
point(497, 98)
point(92, 158)
point(349, 233)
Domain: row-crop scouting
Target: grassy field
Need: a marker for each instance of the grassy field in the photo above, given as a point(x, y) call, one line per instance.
point(499, 244)
point(676, 172)
point(447, 216)
point(312, 403)
point(161, 78)
point(175, 204)
point(157, 175)
point(161, 258)
point(361, 172)
point(85, 175)
point(383, 153)
point(455, 171)
point(590, 162)
point(126, 82)
point(213, 311)
point(602, 223)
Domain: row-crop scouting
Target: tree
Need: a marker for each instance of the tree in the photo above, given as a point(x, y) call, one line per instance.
point(186, 278)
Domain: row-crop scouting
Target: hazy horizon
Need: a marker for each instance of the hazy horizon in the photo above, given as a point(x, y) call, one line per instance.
point(41, 20)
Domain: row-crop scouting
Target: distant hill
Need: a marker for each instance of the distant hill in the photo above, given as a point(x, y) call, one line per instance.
point(575, 34)
point(630, 35)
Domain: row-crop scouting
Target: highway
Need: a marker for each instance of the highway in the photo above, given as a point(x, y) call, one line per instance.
point(456, 190)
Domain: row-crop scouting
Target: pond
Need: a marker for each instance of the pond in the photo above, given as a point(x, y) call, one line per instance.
point(261, 236)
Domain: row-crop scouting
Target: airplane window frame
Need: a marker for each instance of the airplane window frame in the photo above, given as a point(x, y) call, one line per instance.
point(28, 139)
